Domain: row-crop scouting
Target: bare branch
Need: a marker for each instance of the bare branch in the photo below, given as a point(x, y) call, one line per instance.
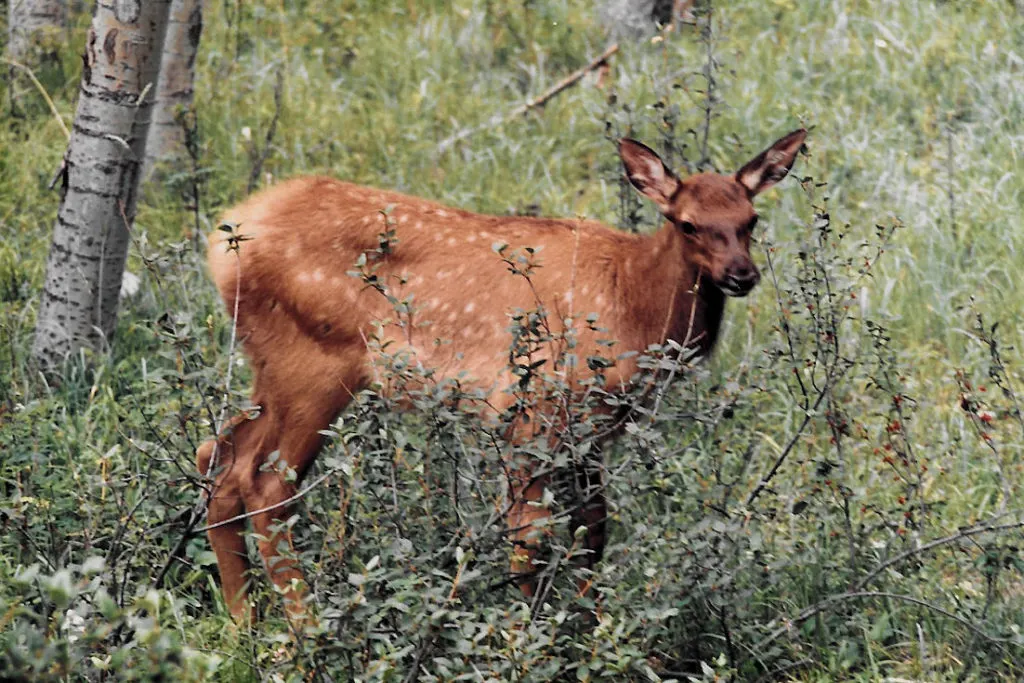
point(857, 595)
point(540, 100)
point(261, 156)
point(42, 91)
point(963, 533)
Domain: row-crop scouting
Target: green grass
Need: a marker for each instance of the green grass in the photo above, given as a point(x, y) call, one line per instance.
point(915, 110)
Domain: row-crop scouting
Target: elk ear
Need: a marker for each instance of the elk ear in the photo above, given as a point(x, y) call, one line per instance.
point(771, 165)
point(648, 173)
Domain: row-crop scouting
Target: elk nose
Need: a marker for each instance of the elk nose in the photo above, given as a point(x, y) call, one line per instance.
point(742, 278)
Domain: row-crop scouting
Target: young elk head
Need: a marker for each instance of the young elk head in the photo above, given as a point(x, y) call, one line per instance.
point(714, 212)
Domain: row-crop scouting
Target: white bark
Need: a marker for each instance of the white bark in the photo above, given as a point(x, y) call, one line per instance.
point(35, 28)
point(177, 74)
point(633, 19)
point(90, 238)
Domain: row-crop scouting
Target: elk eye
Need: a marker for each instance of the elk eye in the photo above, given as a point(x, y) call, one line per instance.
point(688, 228)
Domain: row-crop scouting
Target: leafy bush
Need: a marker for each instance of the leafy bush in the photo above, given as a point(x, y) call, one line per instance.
point(67, 623)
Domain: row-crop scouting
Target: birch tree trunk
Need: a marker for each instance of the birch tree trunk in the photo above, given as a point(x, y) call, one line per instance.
point(632, 19)
point(174, 92)
point(35, 28)
point(90, 238)
point(35, 31)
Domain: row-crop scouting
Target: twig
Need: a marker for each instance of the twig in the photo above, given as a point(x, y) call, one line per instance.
point(414, 670)
point(288, 501)
point(201, 506)
point(538, 101)
point(776, 674)
point(257, 167)
point(766, 479)
point(853, 595)
point(189, 122)
point(950, 188)
point(42, 91)
point(961, 534)
point(708, 71)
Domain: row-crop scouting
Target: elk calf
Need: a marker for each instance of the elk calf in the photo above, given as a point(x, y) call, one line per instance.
point(305, 322)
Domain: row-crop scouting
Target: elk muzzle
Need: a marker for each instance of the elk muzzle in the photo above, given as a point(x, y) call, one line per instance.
point(740, 277)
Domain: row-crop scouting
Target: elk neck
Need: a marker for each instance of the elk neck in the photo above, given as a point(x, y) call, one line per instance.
point(673, 298)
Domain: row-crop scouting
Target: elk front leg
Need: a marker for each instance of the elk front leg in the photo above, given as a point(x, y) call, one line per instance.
point(226, 456)
point(525, 514)
point(274, 538)
point(268, 499)
point(591, 512)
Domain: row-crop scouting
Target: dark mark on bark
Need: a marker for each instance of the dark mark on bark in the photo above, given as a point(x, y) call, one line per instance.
point(89, 57)
point(195, 26)
point(81, 189)
point(110, 45)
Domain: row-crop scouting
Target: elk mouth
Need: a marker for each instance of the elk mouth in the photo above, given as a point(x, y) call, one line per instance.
point(736, 288)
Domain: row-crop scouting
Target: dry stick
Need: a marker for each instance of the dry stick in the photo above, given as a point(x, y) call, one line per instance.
point(201, 507)
point(858, 592)
point(946, 540)
point(776, 674)
point(538, 101)
point(257, 167)
point(42, 91)
point(840, 597)
point(232, 345)
point(766, 479)
point(288, 501)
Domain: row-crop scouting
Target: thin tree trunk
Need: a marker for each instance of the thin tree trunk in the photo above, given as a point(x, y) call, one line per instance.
point(35, 32)
point(90, 238)
point(35, 29)
point(631, 19)
point(174, 93)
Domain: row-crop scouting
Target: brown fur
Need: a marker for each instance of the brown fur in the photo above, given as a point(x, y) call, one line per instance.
point(306, 323)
